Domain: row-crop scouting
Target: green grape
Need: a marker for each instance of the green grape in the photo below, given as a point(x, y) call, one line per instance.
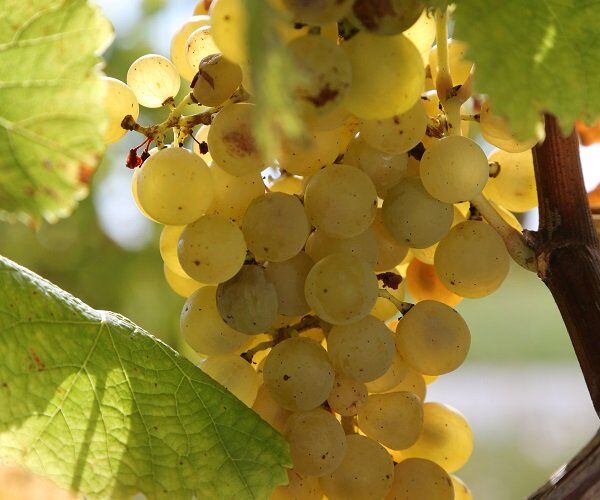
point(325, 74)
point(248, 301)
point(384, 309)
point(119, 101)
point(275, 227)
point(394, 18)
point(413, 382)
point(454, 169)
point(169, 239)
point(422, 34)
point(234, 194)
point(317, 442)
point(231, 141)
point(363, 350)
point(460, 68)
point(385, 170)
point(433, 338)
point(472, 260)
point(174, 186)
point(267, 409)
point(289, 277)
point(200, 45)
point(153, 79)
point(217, 80)
point(496, 130)
point(307, 157)
point(298, 488)
point(235, 374)
point(229, 28)
point(183, 286)
point(413, 216)
point(317, 11)
point(364, 246)
point(347, 396)
point(514, 187)
point(288, 184)
point(298, 374)
point(394, 375)
point(387, 75)
point(391, 251)
point(461, 490)
point(341, 288)
point(393, 419)
point(366, 473)
point(341, 201)
point(212, 249)
point(397, 134)
point(445, 439)
point(202, 327)
point(179, 46)
point(419, 479)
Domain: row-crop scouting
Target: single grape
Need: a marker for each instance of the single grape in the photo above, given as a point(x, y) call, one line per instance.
point(394, 375)
point(174, 186)
point(200, 45)
point(308, 156)
point(347, 396)
point(496, 130)
point(289, 277)
point(413, 382)
point(183, 286)
point(229, 20)
point(299, 487)
point(341, 288)
point(391, 251)
point(135, 196)
point(235, 374)
point(394, 18)
point(298, 374)
point(288, 184)
point(169, 239)
point(202, 7)
point(419, 479)
point(459, 66)
point(119, 101)
point(201, 136)
point(179, 45)
point(272, 413)
point(216, 81)
point(422, 34)
point(153, 79)
point(364, 246)
point(317, 11)
point(424, 284)
point(461, 490)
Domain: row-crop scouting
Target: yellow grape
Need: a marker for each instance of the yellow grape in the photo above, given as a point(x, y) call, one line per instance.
point(179, 45)
point(347, 131)
point(422, 34)
point(461, 490)
point(460, 68)
point(307, 157)
point(347, 396)
point(169, 239)
point(272, 413)
point(316, 11)
point(413, 382)
point(229, 20)
point(289, 277)
point(298, 488)
point(424, 284)
point(217, 80)
point(514, 187)
point(391, 251)
point(119, 101)
point(319, 245)
point(288, 184)
point(289, 31)
point(153, 79)
point(394, 375)
point(496, 130)
point(134, 194)
point(419, 479)
point(200, 44)
point(202, 7)
point(394, 18)
point(235, 374)
point(202, 136)
point(183, 286)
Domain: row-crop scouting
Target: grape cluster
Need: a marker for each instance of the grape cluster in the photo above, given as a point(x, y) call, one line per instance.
point(294, 265)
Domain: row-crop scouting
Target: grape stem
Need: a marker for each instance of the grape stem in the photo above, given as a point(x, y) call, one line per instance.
point(349, 426)
point(470, 118)
point(403, 307)
point(443, 82)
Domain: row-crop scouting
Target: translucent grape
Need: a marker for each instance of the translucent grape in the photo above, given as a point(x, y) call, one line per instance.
point(413, 216)
point(212, 249)
point(363, 350)
point(202, 136)
point(119, 101)
point(174, 186)
point(319, 245)
point(424, 284)
point(341, 288)
point(272, 413)
point(317, 11)
point(347, 396)
point(416, 479)
point(391, 251)
point(394, 18)
point(217, 80)
point(422, 34)
point(366, 473)
point(298, 374)
point(397, 134)
point(445, 439)
point(135, 196)
point(298, 488)
point(454, 169)
point(461, 490)
point(460, 68)
point(202, 7)
point(387, 75)
point(393, 419)
point(394, 375)
point(320, 148)
point(179, 46)
point(413, 382)
point(347, 130)
point(248, 301)
point(289, 277)
point(317, 442)
point(153, 79)
point(169, 239)
point(229, 28)
point(183, 286)
point(341, 201)
point(433, 338)
point(235, 374)
point(472, 260)
point(288, 184)
point(497, 132)
point(231, 141)
point(202, 327)
point(275, 227)
point(199, 45)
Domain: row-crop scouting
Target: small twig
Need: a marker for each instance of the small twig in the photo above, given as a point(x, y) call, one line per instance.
point(443, 81)
point(403, 307)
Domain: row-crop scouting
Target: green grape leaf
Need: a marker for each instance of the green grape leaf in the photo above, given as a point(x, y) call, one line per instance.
point(533, 57)
point(99, 406)
point(51, 112)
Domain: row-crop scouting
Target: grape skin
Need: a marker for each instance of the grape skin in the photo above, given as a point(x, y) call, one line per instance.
point(119, 101)
point(298, 488)
point(497, 132)
point(460, 68)
point(183, 286)
point(289, 277)
point(319, 245)
point(347, 396)
point(235, 374)
point(153, 79)
point(217, 80)
point(268, 409)
point(198, 46)
point(397, 16)
point(416, 479)
point(169, 239)
point(229, 28)
point(179, 45)
point(461, 490)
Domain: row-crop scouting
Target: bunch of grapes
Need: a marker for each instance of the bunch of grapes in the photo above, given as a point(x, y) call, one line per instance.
point(294, 264)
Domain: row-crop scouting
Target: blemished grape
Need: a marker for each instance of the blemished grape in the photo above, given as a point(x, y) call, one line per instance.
point(299, 487)
point(393, 419)
point(183, 286)
point(413, 216)
point(217, 80)
point(317, 11)
point(174, 186)
point(119, 101)
point(179, 46)
point(169, 239)
point(231, 141)
point(298, 374)
point(289, 277)
point(459, 67)
point(422, 34)
point(271, 412)
point(445, 439)
point(363, 350)
point(385, 170)
point(211, 249)
point(341, 288)
point(461, 490)
point(391, 251)
point(454, 169)
point(307, 157)
point(317, 442)
point(347, 396)
point(366, 473)
point(514, 187)
point(275, 227)
point(319, 245)
point(433, 338)
point(391, 378)
point(229, 20)
point(387, 75)
point(472, 260)
point(235, 374)
point(424, 284)
point(496, 130)
point(248, 302)
point(397, 134)
point(200, 45)
point(394, 18)
point(153, 79)
point(419, 479)
point(341, 201)
point(202, 326)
